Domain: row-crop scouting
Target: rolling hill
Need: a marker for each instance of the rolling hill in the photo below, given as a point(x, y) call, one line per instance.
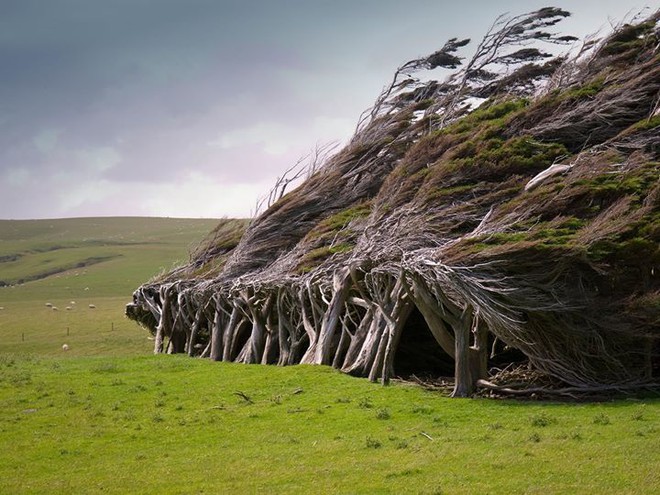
point(76, 262)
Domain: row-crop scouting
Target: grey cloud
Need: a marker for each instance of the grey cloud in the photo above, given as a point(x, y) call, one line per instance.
point(155, 81)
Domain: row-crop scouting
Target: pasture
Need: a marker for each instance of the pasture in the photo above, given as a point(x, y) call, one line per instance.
point(108, 417)
point(56, 254)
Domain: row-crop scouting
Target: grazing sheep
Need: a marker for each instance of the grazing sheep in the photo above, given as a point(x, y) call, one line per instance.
point(49, 305)
point(1, 308)
point(65, 347)
point(72, 302)
point(91, 306)
point(68, 308)
point(54, 308)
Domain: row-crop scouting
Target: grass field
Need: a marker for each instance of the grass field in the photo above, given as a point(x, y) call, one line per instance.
point(108, 417)
point(135, 250)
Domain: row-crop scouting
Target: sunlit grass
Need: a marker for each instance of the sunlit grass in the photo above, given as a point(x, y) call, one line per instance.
point(171, 424)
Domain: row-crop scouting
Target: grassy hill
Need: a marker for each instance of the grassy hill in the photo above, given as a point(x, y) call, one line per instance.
point(114, 253)
point(97, 261)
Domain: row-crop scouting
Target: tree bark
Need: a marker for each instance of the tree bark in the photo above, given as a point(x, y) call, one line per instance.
point(284, 329)
point(229, 333)
point(401, 314)
point(479, 352)
point(358, 339)
point(463, 383)
point(193, 331)
point(341, 287)
point(216, 333)
point(164, 321)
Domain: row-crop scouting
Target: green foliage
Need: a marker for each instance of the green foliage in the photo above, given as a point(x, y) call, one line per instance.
point(225, 236)
point(630, 38)
point(587, 90)
point(644, 125)
point(536, 235)
point(339, 220)
point(541, 420)
point(516, 155)
point(493, 113)
point(328, 239)
point(626, 252)
point(373, 443)
point(601, 419)
point(482, 166)
point(443, 194)
point(609, 186)
point(557, 233)
point(211, 254)
point(315, 257)
point(383, 414)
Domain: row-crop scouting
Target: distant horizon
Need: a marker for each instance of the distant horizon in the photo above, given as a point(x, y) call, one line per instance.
point(192, 110)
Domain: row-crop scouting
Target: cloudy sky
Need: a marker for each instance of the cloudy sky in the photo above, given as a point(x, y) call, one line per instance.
point(192, 108)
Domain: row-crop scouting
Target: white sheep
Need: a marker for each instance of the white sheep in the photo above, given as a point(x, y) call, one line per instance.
point(54, 308)
point(65, 347)
point(91, 306)
point(68, 308)
point(49, 305)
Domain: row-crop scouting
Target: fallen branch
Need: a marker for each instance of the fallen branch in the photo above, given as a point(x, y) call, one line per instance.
point(567, 391)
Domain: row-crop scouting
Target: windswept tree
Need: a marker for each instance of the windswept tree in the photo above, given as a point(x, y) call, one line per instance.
point(509, 59)
point(470, 224)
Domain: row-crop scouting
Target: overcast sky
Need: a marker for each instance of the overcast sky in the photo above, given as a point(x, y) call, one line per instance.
point(191, 108)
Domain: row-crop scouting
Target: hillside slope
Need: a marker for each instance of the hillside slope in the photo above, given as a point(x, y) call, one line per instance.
point(37, 249)
point(513, 205)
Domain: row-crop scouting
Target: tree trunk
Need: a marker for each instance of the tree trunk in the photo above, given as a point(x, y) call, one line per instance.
point(216, 333)
point(341, 286)
point(479, 352)
point(163, 324)
point(342, 347)
point(194, 330)
point(400, 316)
point(230, 332)
point(368, 344)
point(358, 339)
point(284, 330)
point(463, 383)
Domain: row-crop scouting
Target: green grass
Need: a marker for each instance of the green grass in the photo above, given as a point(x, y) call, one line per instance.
point(107, 417)
point(171, 424)
point(137, 249)
point(30, 327)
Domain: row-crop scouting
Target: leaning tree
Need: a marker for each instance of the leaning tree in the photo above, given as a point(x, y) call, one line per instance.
point(506, 213)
